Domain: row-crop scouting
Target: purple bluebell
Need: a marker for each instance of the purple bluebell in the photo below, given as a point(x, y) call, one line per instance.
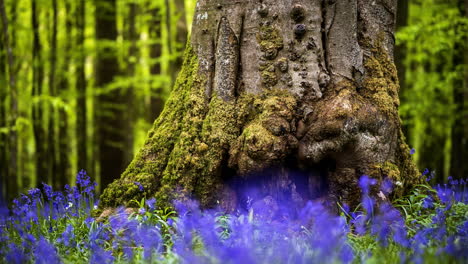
point(428, 203)
point(68, 237)
point(45, 253)
point(151, 204)
point(365, 182)
point(47, 191)
point(412, 151)
point(140, 187)
point(15, 254)
point(82, 179)
point(100, 256)
point(387, 186)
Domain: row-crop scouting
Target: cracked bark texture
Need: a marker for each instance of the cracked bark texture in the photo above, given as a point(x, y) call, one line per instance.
point(297, 97)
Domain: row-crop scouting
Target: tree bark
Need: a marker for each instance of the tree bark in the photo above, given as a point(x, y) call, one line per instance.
point(297, 97)
point(459, 132)
point(52, 139)
point(81, 107)
point(177, 39)
point(39, 121)
point(109, 104)
point(63, 170)
point(156, 100)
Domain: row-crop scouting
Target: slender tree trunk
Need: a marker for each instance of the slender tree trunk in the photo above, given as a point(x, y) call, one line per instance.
point(156, 101)
point(63, 172)
point(400, 50)
point(110, 105)
point(11, 183)
point(42, 170)
point(52, 139)
point(81, 107)
point(176, 43)
point(132, 37)
point(4, 150)
point(297, 97)
point(459, 150)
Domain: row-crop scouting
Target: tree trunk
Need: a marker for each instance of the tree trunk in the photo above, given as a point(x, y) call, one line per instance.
point(3, 112)
point(400, 50)
point(52, 139)
point(459, 132)
point(63, 170)
point(299, 98)
point(39, 121)
point(110, 103)
point(178, 40)
point(81, 107)
point(156, 100)
point(131, 36)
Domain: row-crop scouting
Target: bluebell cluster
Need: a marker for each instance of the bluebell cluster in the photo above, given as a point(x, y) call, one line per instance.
point(47, 226)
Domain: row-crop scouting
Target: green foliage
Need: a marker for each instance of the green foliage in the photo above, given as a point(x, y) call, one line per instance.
point(435, 41)
point(144, 27)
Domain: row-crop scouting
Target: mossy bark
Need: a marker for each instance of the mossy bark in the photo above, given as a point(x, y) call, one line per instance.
point(299, 97)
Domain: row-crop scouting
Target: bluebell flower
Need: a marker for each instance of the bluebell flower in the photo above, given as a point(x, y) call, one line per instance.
point(365, 182)
point(412, 151)
point(444, 194)
point(368, 204)
point(35, 194)
point(140, 187)
point(142, 211)
point(387, 186)
point(428, 202)
point(100, 256)
point(425, 172)
point(47, 191)
point(82, 179)
point(151, 204)
point(45, 253)
point(15, 254)
point(68, 236)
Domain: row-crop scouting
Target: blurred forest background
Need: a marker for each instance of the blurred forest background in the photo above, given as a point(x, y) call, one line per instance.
point(81, 82)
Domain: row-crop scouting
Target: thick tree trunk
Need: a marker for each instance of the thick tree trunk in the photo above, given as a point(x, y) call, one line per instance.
point(297, 97)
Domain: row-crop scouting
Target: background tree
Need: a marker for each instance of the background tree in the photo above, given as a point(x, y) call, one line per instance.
point(303, 93)
point(433, 108)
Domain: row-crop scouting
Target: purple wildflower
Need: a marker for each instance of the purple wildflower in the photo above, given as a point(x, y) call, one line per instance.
point(68, 237)
point(387, 186)
point(15, 254)
point(140, 187)
point(428, 203)
point(425, 172)
point(48, 191)
point(82, 179)
point(45, 252)
point(151, 204)
point(100, 256)
point(412, 151)
point(365, 182)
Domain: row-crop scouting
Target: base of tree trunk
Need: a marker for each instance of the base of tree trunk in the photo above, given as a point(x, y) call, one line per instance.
point(264, 114)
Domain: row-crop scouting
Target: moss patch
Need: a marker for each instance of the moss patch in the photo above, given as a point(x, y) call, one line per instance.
point(266, 138)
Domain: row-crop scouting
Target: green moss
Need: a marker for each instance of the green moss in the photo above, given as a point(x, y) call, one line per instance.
point(265, 138)
point(381, 82)
point(183, 108)
point(270, 41)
